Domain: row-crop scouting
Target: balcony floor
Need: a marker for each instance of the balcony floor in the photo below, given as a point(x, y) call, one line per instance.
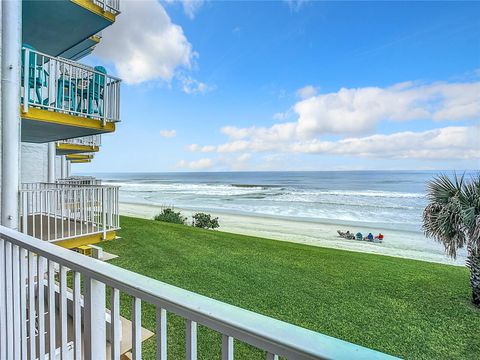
point(41, 126)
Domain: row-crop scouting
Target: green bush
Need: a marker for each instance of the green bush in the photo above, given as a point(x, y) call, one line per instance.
point(205, 221)
point(169, 215)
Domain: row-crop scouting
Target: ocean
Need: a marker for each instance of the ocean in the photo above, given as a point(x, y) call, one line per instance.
point(385, 199)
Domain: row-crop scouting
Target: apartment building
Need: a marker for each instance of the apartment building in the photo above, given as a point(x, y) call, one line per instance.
point(53, 301)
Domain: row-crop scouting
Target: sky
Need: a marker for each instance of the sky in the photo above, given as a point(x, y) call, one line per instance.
point(292, 85)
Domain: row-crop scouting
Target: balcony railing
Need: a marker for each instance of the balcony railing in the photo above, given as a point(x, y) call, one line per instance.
point(55, 212)
point(79, 180)
point(112, 6)
point(92, 140)
point(61, 85)
point(21, 255)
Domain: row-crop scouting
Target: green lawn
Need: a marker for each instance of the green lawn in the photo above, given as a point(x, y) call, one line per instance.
point(407, 308)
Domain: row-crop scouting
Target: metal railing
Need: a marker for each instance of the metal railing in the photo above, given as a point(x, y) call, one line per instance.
point(79, 180)
point(112, 6)
point(63, 85)
point(91, 140)
point(54, 212)
point(20, 253)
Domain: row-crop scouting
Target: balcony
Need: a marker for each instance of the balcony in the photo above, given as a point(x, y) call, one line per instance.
point(70, 214)
point(88, 144)
point(101, 330)
point(63, 99)
point(79, 180)
point(60, 27)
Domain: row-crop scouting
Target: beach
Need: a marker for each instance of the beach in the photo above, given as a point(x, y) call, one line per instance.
point(398, 243)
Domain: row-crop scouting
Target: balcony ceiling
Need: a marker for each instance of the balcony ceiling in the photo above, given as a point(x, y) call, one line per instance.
point(82, 49)
point(41, 126)
point(53, 27)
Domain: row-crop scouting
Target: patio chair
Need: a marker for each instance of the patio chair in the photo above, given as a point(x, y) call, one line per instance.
point(94, 93)
point(37, 76)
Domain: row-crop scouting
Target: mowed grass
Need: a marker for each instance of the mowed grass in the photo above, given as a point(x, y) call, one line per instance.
point(407, 308)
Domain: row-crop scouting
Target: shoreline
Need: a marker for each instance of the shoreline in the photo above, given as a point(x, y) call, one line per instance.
point(412, 245)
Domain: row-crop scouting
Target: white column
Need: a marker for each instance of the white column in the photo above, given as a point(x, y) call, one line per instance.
point(69, 168)
point(63, 173)
point(51, 162)
point(11, 62)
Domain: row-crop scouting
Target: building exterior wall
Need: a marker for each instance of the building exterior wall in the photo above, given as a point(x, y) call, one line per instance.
point(34, 163)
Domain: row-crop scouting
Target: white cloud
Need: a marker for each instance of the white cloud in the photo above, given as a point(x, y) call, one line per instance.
point(455, 142)
point(192, 86)
point(201, 164)
point(190, 7)
point(144, 44)
point(295, 5)
point(307, 91)
point(198, 148)
point(168, 133)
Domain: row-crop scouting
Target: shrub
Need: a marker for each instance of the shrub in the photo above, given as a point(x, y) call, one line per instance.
point(205, 221)
point(171, 216)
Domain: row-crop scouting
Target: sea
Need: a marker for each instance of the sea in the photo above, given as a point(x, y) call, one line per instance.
point(385, 199)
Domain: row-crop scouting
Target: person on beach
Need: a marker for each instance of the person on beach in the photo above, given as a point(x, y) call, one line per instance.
point(359, 236)
point(370, 237)
point(379, 237)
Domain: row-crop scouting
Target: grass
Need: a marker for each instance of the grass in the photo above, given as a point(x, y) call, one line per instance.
point(411, 309)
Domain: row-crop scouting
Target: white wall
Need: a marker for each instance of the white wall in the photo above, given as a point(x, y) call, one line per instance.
point(34, 162)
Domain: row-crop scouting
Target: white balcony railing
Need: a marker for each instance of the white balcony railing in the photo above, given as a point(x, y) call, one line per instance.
point(112, 6)
point(62, 85)
point(79, 180)
point(54, 212)
point(22, 255)
point(91, 140)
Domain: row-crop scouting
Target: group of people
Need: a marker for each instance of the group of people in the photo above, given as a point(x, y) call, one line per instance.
point(359, 236)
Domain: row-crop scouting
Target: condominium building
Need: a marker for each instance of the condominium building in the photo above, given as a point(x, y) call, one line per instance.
point(53, 301)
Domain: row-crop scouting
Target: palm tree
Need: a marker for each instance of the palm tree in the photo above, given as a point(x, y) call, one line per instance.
point(452, 217)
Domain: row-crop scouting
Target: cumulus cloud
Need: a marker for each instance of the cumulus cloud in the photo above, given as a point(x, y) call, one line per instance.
point(455, 142)
point(350, 114)
point(307, 91)
point(144, 44)
point(193, 86)
point(201, 164)
point(357, 111)
point(198, 148)
point(190, 7)
point(168, 133)
point(295, 5)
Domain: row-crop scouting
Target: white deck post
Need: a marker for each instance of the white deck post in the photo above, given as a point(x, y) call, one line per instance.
point(11, 23)
point(63, 174)
point(51, 162)
point(94, 319)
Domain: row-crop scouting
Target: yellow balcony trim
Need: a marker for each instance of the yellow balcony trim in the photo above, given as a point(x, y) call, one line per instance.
point(90, 6)
point(79, 161)
point(79, 157)
point(86, 240)
point(66, 119)
point(95, 38)
point(77, 147)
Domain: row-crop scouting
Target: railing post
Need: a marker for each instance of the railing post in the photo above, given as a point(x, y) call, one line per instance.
point(94, 319)
point(104, 214)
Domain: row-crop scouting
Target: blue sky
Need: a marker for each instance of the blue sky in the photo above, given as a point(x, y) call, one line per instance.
point(279, 85)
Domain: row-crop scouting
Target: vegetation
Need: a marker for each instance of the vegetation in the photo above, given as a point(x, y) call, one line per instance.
point(204, 221)
point(171, 216)
point(411, 309)
point(452, 217)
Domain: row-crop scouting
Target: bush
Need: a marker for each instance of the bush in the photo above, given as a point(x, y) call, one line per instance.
point(205, 221)
point(171, 216)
